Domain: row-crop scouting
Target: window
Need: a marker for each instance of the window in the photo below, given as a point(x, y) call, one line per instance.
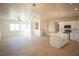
point(14, 27)
point(17, 27)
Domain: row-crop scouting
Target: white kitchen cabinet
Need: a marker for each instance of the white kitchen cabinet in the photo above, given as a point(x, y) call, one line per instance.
point(74, 28)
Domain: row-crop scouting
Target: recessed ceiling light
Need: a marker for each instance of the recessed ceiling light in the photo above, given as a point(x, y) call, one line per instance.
point(75, 8)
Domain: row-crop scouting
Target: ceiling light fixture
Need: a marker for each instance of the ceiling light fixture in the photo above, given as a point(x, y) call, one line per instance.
point(34, 5)
point(34, 12)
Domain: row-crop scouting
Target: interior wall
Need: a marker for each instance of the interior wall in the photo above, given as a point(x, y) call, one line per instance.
point(78, 31)
point(5, 29)
point(44, 27)
point(52, 26)
point(48, 27)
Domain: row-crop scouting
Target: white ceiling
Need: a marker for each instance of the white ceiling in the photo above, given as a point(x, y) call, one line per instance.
point(45, 11)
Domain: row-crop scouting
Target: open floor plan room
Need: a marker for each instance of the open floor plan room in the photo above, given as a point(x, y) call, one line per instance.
point(39, 29)
point(36, 46)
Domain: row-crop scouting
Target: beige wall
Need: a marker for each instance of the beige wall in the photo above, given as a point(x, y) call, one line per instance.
point(44, 27)
point(52, 26)
point(78, 31)
point(48, 26)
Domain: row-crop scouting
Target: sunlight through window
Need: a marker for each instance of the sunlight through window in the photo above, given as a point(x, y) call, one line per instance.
point(17, 27)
